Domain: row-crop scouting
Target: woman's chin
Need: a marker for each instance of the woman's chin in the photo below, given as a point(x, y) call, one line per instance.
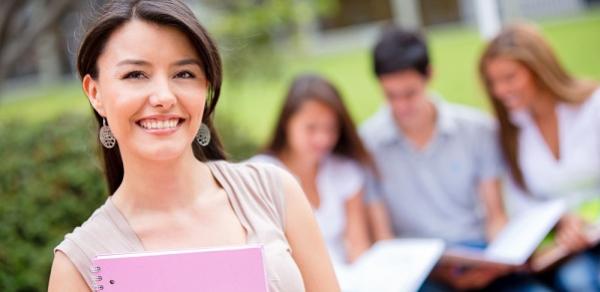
point(515, 107)
point(162, 152)
point(514, 103)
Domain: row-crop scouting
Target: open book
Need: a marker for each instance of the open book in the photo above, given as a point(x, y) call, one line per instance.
point(397, 265)
point(230, 269)
point(550, 253)
point(515, 244)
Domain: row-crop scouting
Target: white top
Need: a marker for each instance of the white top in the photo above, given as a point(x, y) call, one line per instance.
point(575, 177)
point(338, 179)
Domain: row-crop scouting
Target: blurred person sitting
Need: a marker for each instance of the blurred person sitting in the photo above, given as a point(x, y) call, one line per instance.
point(550, 137)
point(439, 167)
point(316, 140)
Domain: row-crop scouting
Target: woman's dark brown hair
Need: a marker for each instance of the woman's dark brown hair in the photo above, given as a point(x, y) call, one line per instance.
point(522, 43)
point(313, 87)
point(173, 13)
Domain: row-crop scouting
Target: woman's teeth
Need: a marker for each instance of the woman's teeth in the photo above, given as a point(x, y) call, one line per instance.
point(156, 124)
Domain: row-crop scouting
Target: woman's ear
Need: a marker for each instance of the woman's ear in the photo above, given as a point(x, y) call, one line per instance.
point(90, 87)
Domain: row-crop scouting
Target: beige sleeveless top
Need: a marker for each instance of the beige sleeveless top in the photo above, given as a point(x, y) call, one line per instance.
point(256, 196)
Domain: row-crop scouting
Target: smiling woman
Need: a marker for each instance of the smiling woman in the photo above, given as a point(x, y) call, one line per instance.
point(153, 75)
point(159, 95)
point(548, 125)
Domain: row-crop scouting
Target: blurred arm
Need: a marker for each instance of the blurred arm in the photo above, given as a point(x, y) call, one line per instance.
point(305, 239)
point(357, 236)
point(491, 195)
point(379, 221)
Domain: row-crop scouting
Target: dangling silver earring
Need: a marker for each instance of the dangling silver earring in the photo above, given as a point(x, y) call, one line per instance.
point(106, 137)
point(203, 136)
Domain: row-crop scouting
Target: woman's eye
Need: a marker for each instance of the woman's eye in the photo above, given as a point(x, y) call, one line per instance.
point(185, 75)
point(134, 75)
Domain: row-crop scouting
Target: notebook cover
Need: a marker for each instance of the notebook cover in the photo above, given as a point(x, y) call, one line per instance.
point(224, 270)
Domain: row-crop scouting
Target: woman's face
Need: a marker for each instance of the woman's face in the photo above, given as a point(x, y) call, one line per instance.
point(313, 130)
point(511, 82)
point(151, 88)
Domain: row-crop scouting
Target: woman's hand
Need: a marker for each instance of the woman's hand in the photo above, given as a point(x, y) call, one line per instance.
point(570, 233)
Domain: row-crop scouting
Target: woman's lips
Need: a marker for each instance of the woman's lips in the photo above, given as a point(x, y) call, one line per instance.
point(160, 125)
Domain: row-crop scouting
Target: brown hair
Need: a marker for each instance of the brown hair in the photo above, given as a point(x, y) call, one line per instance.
point(172, 13)
point(525, 45)
point(313, 87)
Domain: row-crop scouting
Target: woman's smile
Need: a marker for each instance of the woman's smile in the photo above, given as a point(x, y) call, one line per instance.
point(160, 124)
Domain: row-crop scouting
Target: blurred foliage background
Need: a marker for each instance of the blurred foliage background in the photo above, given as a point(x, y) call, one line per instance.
point(50, 177)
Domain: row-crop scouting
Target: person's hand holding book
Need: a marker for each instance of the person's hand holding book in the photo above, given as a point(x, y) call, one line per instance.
point(468, 278)
point(570, 233)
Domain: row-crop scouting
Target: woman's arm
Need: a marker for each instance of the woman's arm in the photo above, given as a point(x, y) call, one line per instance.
point(305, 239)
point(491, 195)
point(64, 276)
point(356, 236)
point(379, 221)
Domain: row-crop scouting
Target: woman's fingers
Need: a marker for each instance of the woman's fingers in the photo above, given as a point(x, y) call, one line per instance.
point(571, 234)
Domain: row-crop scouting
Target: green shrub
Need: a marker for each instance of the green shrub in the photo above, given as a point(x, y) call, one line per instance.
point(238, 143)
point(50, 182)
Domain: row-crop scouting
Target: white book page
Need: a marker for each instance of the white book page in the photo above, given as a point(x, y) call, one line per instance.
point(519, 239)
point(399, 265)
point(176, 252)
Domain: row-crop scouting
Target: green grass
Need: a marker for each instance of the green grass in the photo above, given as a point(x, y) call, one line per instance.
point(253, 105)
point(40, 104)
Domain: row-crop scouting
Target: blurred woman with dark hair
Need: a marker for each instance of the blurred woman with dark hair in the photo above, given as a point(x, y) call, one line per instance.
point(550, 138)
point(315, 139)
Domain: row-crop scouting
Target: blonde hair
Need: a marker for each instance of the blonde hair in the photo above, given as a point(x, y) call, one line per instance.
point(524, 44)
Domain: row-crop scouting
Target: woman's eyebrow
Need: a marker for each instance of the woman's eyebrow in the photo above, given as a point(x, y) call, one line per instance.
point(190, 61)
point(183, 62)
point(133, 62)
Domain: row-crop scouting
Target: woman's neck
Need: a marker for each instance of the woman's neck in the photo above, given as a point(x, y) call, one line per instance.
point(162, 185)
point(543, 106)
point(306, 170)
point(299, 165)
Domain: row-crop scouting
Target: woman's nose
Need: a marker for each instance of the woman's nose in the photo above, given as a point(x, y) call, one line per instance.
point(163, 96)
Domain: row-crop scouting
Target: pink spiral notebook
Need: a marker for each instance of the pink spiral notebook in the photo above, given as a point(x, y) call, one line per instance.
point(231, 269)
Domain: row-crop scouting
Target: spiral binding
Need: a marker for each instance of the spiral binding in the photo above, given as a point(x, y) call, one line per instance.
point(95, 269)
point(96, 278)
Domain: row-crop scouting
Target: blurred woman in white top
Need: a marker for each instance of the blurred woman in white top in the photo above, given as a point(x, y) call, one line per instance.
point(315, 139)
point(550, 136)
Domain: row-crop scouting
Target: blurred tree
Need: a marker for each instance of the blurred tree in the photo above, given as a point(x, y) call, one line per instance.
point(252, 32)
point(23, 23)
